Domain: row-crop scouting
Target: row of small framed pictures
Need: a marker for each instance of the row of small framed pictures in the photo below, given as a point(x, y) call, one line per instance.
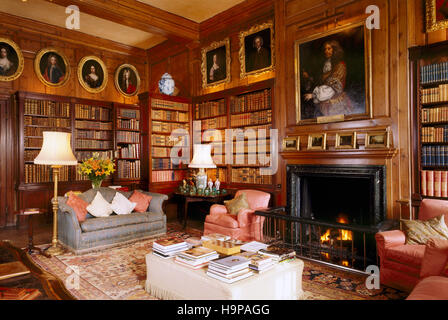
point(346, 140)
point(53, 69)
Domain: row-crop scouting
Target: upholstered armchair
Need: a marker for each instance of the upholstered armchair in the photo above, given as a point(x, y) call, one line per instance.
point(400, 263)
point(246, 226)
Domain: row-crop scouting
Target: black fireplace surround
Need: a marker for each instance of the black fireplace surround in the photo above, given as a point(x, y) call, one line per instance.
point(323, 192)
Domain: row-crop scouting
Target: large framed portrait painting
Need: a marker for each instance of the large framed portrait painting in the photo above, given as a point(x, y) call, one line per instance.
point(92, 74)
point(51, 67)
point(333, 76)
point(436, 15)
point(127, 80)
point(215, 64)
point(11, 60)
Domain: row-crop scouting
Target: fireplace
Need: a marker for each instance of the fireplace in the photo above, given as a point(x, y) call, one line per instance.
point(337, 210)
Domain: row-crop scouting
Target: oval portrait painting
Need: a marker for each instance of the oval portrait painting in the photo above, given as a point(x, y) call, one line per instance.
point(92, 74)
point(11, 60)
point(127, 80)
point(51, 67)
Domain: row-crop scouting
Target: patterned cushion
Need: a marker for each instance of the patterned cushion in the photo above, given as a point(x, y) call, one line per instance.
point(419, 232)
point(236, 204)
point(114, 221)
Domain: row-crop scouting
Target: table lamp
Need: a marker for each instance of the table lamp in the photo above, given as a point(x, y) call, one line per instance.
point(202, 159)
point(56, 152)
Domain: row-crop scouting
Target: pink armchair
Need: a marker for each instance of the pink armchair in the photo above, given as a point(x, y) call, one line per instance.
point(246, 226)
point(400, 263)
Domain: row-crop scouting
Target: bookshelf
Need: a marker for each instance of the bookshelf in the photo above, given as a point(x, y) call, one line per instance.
point(429, 73)
point(241, 108)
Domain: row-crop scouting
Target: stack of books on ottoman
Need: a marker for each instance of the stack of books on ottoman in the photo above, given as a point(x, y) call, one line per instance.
point(229, 269)
point(279, 254)
point(169, 247)
point(196, 258)
point(258, 262)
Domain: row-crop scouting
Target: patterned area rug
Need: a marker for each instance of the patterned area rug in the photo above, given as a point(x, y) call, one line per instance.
point(119, 273)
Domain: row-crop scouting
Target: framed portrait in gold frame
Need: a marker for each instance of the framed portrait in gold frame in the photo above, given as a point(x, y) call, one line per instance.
point(92, 74)
point(11, 60)
point(436, 15)
point(127, 80)
point(333, 75)
point(257, 54)
point(291, 144)
point(377, 140)
point(52, 67)
point(215, 66)
point(317, 141)
point(346, 140)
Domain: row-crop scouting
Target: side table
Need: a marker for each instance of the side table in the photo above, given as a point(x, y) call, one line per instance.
point(187, 198)
point(29, 216)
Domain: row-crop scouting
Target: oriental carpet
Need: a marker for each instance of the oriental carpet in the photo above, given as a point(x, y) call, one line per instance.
point(119, 273)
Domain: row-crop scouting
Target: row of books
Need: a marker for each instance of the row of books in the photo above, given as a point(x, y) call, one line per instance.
point(252, 118)
point(214, 123)
point(128, 137)
point(161, 151)
point(163, 164)
point(33, 142)
point(162, 140)
point(130, 124)
point(93, 144)
point(244, 159)
point(168, 175)
point(46, 108)
point(30, 155)
point(217, 173)
point(89, 134)
point(439, 114)
point(170, 105)
point(34, 131)
point(79, 124)
point(242, 147)
point(434, 95)
point(83, 155)
point(92, 112)
point(434, 183)
point(249, 175)
point(129, 151)
point(35, 173)
point(434, 155)
point(47, 122)
point(435, 134)
point(210, 109)
point(251, 102)
point(157, 114)
point(435, 72)
point(128, 169)
point(130, 113)
point(168, 127)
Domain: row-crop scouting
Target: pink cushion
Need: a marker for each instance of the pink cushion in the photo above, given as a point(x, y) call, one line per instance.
point(225, 220)
point(256, 199)
point(431, 208)
point(431, 288)
point(142, 201)
point(435, 258)
point(78, 205)
point(406, 254)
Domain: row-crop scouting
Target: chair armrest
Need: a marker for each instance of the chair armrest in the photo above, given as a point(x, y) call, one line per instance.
point(216, 209)
point(156, 204)
point(388, 239)
point(248, 216)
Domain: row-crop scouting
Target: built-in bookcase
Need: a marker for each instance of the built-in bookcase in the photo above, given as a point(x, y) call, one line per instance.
point(429, 73)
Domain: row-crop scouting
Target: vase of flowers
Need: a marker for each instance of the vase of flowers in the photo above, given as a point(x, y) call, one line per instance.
point(96, 169)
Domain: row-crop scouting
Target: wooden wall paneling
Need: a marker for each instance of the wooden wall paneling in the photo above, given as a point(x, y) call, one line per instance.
point(3, 166)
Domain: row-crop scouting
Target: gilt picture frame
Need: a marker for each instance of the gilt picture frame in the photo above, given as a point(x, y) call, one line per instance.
point(317, 141)
point(51, 67)
point(345, 140)
point(257, 50)
point(215, 65)
point(436, 15)
point(291, 144)
point(377, 140)
point(127, 80)
point(11, 60)
point(333, 75)
point(92, 74)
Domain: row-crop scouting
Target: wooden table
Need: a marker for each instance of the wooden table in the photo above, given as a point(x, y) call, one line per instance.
point(29, 216)
point(187, 198)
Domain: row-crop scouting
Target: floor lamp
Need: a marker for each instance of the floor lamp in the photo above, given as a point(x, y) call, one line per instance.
point(56, 152)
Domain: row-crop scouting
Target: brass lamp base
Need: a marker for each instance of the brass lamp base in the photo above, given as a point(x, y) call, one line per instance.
point(54, 250)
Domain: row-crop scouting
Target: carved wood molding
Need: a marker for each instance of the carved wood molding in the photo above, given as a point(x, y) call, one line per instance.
point(342, 154)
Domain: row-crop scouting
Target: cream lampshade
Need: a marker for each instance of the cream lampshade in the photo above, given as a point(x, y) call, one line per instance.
point(202, 159)
point(56, 152)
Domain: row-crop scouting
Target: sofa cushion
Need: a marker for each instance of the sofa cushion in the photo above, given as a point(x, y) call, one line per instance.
point(107, 193)
point(236, 204)
point(142, 201)
point(407, 254)
point(435, 258)
point(115, 221)
point(121, 205)
point(224, 220)
point(431, 288)
point(99, 207)
point(78, 205)
point(419, 231)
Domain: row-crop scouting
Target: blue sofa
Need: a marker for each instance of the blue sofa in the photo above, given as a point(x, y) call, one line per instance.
point(100, 233)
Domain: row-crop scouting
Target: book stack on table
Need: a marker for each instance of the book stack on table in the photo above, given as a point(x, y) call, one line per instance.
point(229, 269)
point(215, 236)
point(169, 247)
point(279, 254)
point(196, 258)
point(258, 262)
